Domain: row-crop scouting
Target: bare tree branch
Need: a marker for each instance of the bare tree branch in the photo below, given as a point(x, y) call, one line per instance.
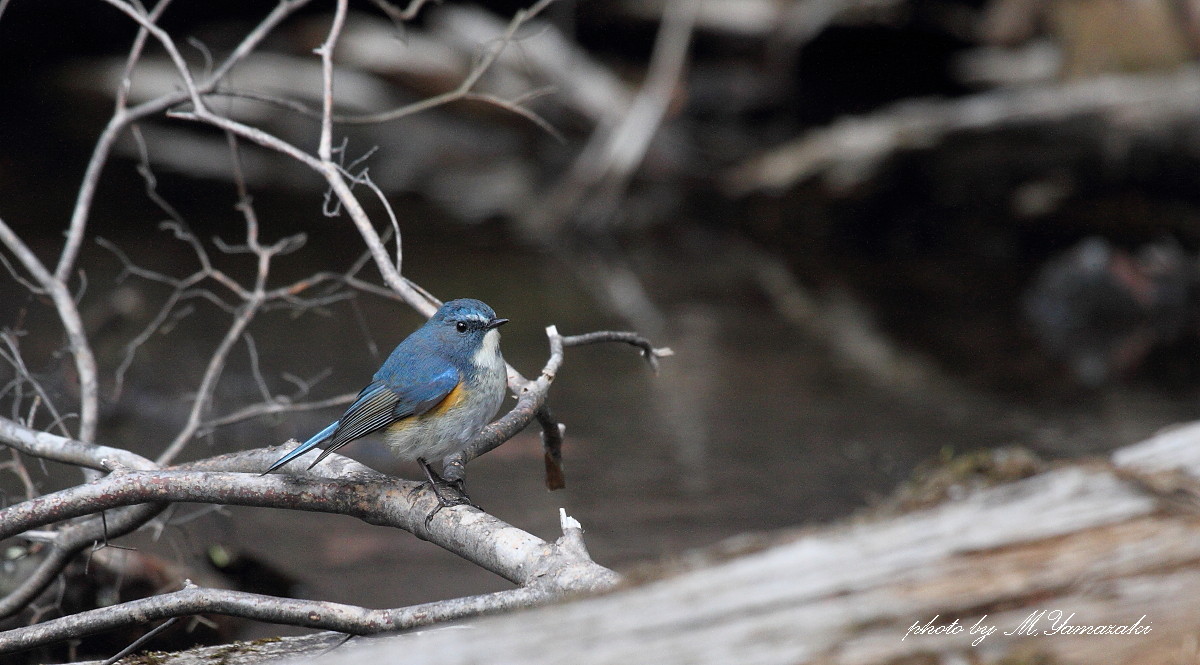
point(306, 613)
point(400, 15)
point(354, 490)
point(377, 499)
point(541, 568)
point(68, 451)
point(465, 89)
point(74, 239)
point(123, 116)
point(68, 314)
point(275, 406)
point(136, 644)
point(14, 358)
point(325, 147)
point(531, 399)
point(649, 351)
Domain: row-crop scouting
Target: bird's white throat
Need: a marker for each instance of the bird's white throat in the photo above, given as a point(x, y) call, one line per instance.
point(488, 355)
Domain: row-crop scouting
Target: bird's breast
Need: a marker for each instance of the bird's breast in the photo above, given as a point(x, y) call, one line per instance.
point(453, 422)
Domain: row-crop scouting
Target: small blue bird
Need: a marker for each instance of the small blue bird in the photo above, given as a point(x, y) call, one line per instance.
point(433, 394)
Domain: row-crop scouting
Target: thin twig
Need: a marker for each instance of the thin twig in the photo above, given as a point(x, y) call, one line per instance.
point(75, 230)
point(141, 640)
point(68, 542)
point(68, 314)
point(325, 147)
point(649, 351)
point(216, 364)
point(401, 15)
point(274, 406)
point(123, 117)
point(17, 467)
point(17, 361)
point(465, 89)
point(146, 21)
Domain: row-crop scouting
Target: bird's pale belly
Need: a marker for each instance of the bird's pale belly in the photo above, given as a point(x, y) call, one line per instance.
point(448, 427)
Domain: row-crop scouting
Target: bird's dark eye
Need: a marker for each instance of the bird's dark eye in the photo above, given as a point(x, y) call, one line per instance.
point(461, 326)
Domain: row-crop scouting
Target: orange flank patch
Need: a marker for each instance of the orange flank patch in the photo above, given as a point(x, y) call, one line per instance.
point(451, 400)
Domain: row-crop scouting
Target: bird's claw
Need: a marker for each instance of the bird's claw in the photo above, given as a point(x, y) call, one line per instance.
point(449, 493)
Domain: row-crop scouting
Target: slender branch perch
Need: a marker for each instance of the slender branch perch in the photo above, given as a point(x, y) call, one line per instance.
point(355, 491)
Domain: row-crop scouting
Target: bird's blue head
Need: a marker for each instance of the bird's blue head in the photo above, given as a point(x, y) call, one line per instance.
point(465, 330)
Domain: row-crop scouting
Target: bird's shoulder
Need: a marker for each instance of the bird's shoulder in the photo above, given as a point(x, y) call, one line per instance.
point(416, 374)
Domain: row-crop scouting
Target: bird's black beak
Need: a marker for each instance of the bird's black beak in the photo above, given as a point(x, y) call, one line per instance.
point(495, 323)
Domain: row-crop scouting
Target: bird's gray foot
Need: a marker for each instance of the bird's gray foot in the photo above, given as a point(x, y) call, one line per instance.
point(448, 493)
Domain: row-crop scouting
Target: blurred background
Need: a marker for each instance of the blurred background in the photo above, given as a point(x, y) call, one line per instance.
point(878, 234)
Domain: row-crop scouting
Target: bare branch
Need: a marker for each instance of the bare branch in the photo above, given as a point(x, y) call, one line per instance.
point(12, 271)
point(216, 365)
point(333, 176)
point(649, 352)
point(273, 406)
point(325, 147)
point(147, 23)
point(74, 238)
point(401, 15)
point(307, 613)
point(367, 495)
point(531, 403)
point(68, 314)
point(365, 179)
point(17, 361)
point(144, 170)
point(465, 89)
point(123, 117)
point(531, 396)
point(17, 467)
point(345, 487)
point(66, 450)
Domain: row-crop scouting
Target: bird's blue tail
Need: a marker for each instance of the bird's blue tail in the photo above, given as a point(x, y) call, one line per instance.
point(316, 440)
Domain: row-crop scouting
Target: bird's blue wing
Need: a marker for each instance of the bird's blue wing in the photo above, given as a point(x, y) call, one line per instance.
point(384, 401)
point(373, 410)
